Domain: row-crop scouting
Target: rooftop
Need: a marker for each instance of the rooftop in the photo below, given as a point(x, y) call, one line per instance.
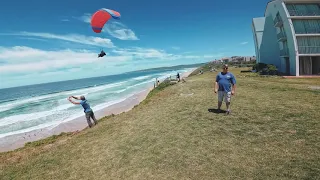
point(292, 1)
point(258, 23)
point(301, 1)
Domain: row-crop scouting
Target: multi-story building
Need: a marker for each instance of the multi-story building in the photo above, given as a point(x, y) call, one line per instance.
point(236, 59)
point(288, 36)
point(249, 58)
point(217, 61)
point(226, 60)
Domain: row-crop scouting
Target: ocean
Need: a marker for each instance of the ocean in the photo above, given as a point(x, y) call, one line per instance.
point(27, 108)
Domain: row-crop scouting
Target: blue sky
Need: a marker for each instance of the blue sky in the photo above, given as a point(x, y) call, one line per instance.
point(45, 41)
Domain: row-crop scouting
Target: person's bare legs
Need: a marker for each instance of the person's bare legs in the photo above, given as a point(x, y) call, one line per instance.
point(228, 101)
point(228, 107)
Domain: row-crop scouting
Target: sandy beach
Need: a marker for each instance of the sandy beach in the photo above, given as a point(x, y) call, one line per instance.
point(12, 142)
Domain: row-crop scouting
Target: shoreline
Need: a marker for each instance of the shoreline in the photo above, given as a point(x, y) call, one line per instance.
point(12, 142)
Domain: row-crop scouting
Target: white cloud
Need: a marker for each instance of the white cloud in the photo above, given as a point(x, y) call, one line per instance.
point(113, 28)
point(191, 57)
point(25, 65)
point(214, 55)
point(120, 31)
point(146, 53)
point(26, 59)
point(32, 38)
point(243, 43)
point(86, 17)
point(49, 73)
point(175, 48)
point(150, 53)
point(188, 52)
point(204, 56)
point(76, 38)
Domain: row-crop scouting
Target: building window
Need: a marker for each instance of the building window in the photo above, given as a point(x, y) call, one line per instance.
point(306, 26)
point(303, 9)
point(308, 45)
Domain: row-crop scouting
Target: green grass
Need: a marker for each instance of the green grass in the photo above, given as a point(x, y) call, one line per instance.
point(49, 140)
point(272, 133)
point(156, 90)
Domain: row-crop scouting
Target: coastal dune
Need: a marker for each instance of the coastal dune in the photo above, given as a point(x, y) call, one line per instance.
point(176, 133)
point(15, 141)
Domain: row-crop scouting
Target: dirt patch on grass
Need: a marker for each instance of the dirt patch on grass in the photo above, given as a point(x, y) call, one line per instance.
point(314, 87)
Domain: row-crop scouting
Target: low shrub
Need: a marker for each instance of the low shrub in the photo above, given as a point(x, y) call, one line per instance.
point(265, 69)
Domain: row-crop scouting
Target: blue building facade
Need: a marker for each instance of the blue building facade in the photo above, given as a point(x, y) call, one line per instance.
point(288, 36)
point(257, 28)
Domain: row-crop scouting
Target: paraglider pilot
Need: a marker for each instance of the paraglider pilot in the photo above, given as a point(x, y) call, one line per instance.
point(100, 18)
point(102, 53)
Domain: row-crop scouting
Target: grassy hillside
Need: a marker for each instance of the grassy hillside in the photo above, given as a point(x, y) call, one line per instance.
point(272, 133)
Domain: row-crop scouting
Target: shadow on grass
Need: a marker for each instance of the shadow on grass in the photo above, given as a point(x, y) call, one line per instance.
point(216, 111)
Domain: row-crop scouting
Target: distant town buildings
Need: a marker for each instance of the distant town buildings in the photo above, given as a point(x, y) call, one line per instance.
point(288, 36)
point(235, 59)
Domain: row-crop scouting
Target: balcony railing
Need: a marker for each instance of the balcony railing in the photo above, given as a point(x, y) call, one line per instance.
point(284, 52)
point(300, 13)
point(278, 22)
point(309, 49)
point(308, 31)
point(281, 36)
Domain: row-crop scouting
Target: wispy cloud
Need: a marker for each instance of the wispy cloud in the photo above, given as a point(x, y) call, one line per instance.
point(188, 52)
point(76, 38)
point(113, 28)
point(32, 38)
point(65, 20)
point(244, 43)
point(150, 53)
point(25, 65)
point(120, 31)
point(86, 17)
point(26, 59)
point(214, 55)
point(54, 73)
point(176, 48)
point(146, 53)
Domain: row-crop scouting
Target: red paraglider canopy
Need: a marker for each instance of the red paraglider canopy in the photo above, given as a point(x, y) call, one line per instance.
point(100, 17)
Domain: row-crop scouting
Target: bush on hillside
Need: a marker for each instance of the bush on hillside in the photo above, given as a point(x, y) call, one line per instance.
point(259, 67)
point(272, 69)
point(245, 65)
point(265, 69)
